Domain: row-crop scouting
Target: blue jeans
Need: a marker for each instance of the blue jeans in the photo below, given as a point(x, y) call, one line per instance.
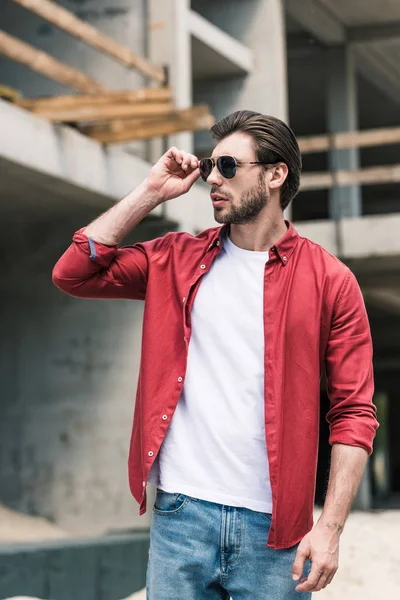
point(202, 550)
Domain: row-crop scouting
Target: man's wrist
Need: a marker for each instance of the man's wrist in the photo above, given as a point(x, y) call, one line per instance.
point(151, 194)
point(332, 523)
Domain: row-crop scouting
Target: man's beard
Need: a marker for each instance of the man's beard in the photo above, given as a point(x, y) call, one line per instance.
point(250, 205)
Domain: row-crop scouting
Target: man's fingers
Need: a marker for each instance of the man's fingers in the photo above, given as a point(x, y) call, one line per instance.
point(191, 178)
point(330, 577)
point(312, 581)
point(172, 152)
point(182, 158)
point(298, 565)
point(318, 579)
point(189, 160)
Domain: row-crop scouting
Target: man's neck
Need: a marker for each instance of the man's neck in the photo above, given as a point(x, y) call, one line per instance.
point(257, 236)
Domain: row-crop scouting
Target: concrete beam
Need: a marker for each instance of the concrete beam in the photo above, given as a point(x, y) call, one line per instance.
point(373, 33)
point(384, 299)
point(360, 34)
point(318, 20)
point(221, 43)
point(64, 153)
point(371, 62)
point(373, 65)
point(363, 238)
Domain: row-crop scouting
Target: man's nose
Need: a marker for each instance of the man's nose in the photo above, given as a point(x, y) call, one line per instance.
point(215, 177)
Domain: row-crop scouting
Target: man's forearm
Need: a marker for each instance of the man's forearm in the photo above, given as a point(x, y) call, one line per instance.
point(347, 467)
point(112, 226)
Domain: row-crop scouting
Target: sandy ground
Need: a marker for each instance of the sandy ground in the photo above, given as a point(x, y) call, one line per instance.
point(17, 527)
point(369, 566)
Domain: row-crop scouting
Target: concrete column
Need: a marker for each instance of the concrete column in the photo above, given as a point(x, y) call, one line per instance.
point(259, 24)
point(170, 46)
point(342, 116)
point(181, 67)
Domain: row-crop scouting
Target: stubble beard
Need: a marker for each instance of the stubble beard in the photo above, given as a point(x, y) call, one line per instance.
point(250, 205)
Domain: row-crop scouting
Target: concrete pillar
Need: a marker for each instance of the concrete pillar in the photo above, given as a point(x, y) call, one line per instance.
point(181, 67)
point(342, 115)
point(259, 24)
point(170, 46)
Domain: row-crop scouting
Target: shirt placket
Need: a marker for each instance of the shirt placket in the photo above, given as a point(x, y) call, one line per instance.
point(187, 305)
point(271, 433)
point(189, 299)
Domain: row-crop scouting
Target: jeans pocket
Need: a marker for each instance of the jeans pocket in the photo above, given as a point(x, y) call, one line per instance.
point(267, 517)
point(167, 503)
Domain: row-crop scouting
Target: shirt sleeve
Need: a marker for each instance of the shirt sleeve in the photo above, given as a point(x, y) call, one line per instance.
point(89, 269)
point(352, 414)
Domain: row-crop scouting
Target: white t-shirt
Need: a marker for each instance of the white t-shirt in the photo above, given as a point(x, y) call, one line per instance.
point(215, 447)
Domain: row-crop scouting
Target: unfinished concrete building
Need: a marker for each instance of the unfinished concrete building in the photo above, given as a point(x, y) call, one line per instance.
point(68, 367)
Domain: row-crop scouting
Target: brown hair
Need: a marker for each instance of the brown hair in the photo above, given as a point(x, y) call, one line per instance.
point(274, 142)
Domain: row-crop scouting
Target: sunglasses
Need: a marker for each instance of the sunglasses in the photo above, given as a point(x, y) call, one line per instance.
point(226, 165)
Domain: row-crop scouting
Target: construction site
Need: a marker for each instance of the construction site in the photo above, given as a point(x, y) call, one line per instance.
point(92, 93)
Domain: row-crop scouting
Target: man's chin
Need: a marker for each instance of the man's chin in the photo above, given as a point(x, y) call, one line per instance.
point(221, 216)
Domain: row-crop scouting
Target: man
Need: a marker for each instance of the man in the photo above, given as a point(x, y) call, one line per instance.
point(238, 324)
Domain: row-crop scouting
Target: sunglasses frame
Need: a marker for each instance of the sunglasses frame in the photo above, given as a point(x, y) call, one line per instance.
point(236, 163)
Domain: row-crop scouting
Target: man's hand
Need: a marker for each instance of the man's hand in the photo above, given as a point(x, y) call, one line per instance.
point(173, 175)
point(321, 546)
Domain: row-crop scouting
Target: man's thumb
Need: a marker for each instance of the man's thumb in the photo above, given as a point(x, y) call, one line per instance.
point(191, 178)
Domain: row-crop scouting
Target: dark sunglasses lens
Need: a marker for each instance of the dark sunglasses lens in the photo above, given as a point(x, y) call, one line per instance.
point(227, 166)
point(206, 167)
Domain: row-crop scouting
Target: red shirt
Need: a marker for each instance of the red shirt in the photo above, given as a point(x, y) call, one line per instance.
point(313, 314)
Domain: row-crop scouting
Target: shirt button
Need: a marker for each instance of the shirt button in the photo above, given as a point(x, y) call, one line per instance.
point(184, 299)
point(180, 379)
point(164, 417)
point(144, 483)
point(202, 267)
point(151, 453)
point(218, 243)
point(284, 258)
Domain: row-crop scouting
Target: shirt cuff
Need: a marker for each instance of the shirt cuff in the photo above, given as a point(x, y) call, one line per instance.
point(97, 252)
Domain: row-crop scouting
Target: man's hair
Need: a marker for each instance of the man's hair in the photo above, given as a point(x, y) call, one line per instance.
point(274, 142)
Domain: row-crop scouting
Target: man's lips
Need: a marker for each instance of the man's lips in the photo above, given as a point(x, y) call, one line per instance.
point(218, 200)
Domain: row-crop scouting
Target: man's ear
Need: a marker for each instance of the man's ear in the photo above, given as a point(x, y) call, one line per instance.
point(277, 175)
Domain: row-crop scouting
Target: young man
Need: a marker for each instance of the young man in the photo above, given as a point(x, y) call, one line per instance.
point(238, 324)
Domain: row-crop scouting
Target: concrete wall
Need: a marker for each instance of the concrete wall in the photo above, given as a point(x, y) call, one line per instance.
point(68, 376)
point(68, 373)
point(89, 569)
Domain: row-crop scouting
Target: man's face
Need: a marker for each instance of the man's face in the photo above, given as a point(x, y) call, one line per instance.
point(238, 200)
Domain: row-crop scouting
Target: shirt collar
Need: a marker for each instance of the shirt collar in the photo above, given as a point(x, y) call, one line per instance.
point(283, 247)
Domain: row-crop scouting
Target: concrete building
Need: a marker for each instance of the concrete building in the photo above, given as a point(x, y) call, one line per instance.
point(68, 367)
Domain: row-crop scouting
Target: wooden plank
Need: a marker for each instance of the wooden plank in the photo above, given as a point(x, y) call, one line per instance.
point(9, 93)
point(46, 65)
point(66, 20)
point(107, 112)
point(115, 125)
point(192, 119)
point(161, 94)
point(368, 176)
point(350, 139)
